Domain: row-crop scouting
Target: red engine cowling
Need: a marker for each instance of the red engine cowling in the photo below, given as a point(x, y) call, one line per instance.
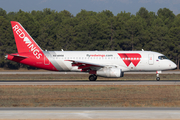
point(110, 72)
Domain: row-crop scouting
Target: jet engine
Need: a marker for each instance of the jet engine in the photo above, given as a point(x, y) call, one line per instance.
point(110, 72)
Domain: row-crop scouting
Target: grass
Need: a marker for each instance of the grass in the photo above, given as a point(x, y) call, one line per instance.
point(90, 96)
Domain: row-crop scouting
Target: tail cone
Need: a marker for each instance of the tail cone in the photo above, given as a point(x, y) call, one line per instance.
point(6, 56)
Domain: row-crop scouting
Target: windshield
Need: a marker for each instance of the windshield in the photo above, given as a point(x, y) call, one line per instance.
point(162, 57)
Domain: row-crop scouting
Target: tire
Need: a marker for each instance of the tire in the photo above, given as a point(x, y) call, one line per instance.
point(92, 78)
point(158, 78)
point(95, 77)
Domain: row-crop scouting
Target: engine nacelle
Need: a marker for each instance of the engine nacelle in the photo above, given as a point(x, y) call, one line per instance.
point(110, 72)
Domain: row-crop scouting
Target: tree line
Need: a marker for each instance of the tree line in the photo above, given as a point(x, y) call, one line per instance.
point(90, 30)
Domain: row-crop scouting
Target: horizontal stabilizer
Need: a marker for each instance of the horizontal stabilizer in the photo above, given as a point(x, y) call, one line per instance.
point(20, 56)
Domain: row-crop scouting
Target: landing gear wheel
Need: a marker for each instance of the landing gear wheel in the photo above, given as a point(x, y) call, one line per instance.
point(157, 74)
point(158, 78)
point(92, 77)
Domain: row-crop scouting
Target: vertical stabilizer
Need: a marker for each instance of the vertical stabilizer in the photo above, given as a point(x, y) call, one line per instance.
point(24, 41)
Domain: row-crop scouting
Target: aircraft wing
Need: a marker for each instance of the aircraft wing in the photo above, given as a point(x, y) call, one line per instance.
point(85, 66)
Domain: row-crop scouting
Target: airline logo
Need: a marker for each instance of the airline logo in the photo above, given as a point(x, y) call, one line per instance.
point(95, 55)
point(27, 41)
point(129, 58)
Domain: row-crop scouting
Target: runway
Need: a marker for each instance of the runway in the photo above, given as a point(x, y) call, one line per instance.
point(90, 113)
point(51, 72)
point(79, 82)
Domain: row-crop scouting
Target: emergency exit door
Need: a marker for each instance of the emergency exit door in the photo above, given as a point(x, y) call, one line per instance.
point(151, 59)
point(46, 61)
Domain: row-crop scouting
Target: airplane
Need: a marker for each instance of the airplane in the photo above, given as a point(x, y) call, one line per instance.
point(110, 64)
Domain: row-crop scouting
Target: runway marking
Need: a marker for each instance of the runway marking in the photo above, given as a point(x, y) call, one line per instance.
point(90, 114)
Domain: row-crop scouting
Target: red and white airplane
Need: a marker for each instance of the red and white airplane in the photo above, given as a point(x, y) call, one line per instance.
point(96, 63)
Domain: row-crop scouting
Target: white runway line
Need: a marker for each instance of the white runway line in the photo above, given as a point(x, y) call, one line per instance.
point(90, 114)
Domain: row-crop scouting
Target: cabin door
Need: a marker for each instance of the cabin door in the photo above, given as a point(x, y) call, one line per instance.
point(151, 59)
point(46, 61)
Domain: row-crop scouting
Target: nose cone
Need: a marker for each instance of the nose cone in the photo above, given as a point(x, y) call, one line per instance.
point(173, 66)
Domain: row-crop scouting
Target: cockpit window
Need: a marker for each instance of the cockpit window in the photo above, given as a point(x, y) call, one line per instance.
point(162, 57)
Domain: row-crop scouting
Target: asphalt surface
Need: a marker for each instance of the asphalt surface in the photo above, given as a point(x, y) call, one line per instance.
point(78, 82)
point(89, 113)
point(91, 108)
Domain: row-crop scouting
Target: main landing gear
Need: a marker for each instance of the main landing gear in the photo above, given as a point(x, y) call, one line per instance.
point(92, 77)
point(157, 74)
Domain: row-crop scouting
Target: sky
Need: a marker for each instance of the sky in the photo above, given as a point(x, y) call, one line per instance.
point(75, 6)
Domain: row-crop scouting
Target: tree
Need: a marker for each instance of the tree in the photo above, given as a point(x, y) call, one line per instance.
point(174, 45)
point(6, 44)
point(166, 15)
point(2, 13)
point(133, 28)
point(149, 17)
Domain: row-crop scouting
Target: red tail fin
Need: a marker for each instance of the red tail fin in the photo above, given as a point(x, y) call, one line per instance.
point(24, 41)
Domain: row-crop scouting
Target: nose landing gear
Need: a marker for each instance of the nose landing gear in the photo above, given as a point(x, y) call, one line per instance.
point(157, 74)
point(158, 78)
